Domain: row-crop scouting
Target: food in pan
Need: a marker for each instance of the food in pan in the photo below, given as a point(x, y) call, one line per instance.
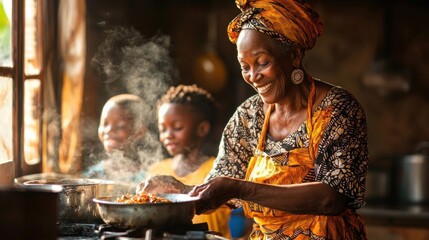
point(142, 198)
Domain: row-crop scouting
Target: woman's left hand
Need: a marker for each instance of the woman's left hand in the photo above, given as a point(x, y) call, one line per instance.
point(214, 193)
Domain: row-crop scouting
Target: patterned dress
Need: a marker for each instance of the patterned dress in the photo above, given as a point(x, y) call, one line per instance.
point(340, 159)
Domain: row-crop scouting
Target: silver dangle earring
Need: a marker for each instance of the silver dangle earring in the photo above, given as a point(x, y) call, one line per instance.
point(297, 76)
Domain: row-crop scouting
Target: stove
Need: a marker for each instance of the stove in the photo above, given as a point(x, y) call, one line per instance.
point(71, 231)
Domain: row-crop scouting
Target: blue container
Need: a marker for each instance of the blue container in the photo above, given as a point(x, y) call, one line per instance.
point(237, 223)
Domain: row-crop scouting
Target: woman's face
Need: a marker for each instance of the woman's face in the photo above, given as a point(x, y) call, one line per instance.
point(177, 125)
point(116, 128)
point(264, 65)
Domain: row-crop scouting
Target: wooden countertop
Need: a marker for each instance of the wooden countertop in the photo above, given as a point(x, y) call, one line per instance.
point(396, 215)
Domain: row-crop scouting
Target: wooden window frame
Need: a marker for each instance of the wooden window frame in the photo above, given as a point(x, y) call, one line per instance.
point(18, 167)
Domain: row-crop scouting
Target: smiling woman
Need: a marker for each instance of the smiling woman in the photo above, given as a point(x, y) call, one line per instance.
point(295, 154)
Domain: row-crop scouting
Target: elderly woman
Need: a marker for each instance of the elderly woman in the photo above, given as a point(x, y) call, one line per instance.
point(294, 155)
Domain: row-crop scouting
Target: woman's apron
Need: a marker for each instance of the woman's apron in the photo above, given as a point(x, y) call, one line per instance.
point(292, 167)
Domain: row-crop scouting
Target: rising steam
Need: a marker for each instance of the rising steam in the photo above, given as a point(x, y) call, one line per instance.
point(144, 68)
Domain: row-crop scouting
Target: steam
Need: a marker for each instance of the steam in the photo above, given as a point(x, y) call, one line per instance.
point(142, 67)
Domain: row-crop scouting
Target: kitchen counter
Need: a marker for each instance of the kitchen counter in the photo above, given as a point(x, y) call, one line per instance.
point(416, 216)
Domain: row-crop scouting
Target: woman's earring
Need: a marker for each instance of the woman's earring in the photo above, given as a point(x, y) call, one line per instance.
point(297, 76)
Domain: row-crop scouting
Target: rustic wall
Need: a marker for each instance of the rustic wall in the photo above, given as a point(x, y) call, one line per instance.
point(397, 121)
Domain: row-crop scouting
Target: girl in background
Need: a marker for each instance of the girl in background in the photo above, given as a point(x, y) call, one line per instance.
point(186, 116)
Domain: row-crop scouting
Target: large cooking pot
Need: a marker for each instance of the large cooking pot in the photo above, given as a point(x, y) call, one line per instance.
point(42, 176)
point(410, 176)
point(75, 199)
point(159, 215)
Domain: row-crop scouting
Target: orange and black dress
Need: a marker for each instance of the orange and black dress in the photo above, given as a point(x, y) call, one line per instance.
point(330, 147)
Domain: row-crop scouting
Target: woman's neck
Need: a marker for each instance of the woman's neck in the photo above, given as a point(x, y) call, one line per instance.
point(289, 114)
point(296, 100)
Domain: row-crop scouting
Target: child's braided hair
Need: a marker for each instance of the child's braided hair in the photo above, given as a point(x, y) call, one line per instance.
point(201, 101)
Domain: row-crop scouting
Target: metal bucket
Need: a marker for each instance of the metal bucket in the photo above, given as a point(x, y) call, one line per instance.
point(411, 176)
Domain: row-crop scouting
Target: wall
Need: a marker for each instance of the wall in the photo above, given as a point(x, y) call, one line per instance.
point(397, 121)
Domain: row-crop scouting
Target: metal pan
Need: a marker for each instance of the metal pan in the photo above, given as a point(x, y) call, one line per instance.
point(155, 215)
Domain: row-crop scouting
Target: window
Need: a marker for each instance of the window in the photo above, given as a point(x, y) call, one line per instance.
point(6, 148)
point(32, 83)
point(5, 33)
point(6, 82)
point(20, 86)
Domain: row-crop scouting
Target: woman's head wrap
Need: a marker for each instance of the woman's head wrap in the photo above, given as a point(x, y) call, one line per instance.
point(293, 22)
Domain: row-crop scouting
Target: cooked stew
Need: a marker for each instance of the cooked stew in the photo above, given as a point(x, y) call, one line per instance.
point(142, 198)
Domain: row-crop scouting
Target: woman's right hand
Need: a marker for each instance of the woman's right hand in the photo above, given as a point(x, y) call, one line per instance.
point(162, 184)
point(214, 193)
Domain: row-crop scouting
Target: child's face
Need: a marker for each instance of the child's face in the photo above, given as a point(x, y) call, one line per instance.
point(177, 126)
point(116, 128)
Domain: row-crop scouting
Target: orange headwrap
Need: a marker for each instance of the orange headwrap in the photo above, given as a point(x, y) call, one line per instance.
point(292, 22)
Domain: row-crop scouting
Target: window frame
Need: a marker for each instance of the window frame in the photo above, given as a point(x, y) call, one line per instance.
point(18, 167)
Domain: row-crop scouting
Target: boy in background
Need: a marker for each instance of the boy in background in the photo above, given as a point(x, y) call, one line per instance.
point(123, 133)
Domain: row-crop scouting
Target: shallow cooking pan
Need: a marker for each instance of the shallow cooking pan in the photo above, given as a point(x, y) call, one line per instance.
point(157, 215)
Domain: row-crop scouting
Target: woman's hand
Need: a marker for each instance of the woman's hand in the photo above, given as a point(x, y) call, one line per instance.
point(304, 198)
point(162, 184)
point(214, 193)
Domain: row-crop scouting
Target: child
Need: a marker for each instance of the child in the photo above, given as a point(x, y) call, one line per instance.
point(186, 115)
point(122, 131)
point(121, 124)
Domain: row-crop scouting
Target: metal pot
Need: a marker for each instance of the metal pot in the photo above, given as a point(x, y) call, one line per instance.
point(158, 215)
point(411, 177)
point(75, 199)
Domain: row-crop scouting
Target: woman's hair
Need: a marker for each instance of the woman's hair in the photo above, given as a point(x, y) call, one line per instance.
point(200, 100)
